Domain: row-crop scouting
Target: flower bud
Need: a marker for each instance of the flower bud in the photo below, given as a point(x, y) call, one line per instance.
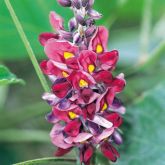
point(65, 35)
point(85, 3)
point(90, 22)
point(117, 138)
point(80, 20)
point(64, 3)
point(90, 31)
point(77, 38)
point(76, 4)
point(91, 2)
point(94, 14)
point(72, 24)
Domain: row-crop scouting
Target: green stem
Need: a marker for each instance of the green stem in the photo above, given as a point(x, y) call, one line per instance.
point(27, 46)
point(154, 57)
point(46, 161)
point(145, 30)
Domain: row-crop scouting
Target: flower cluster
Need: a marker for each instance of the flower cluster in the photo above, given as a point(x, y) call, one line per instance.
point(86, 112)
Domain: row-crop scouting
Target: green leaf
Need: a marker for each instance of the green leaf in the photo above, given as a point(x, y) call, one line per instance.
point(17, 135)
point(48, 161)
point(18, 116)
point(34, 22)
point(6, 77)
point(144, 130)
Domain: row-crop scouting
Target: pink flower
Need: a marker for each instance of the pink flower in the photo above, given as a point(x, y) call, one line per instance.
point(99, 41)
point(60, 51)
point(85, 109)
point(109, 151)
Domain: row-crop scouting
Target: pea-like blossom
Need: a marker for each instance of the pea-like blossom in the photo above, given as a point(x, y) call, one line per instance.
point(86, 111)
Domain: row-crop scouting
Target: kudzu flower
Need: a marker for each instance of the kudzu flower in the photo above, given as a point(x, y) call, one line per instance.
point(86, 112)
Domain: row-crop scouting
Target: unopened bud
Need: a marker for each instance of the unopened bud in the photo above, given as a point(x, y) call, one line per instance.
point(76, 4)
point(117, 138)
point(64, 3)
point(94, 14)
point(90, 22)
point(66, 35)
point(72, 24)
point(80, 20)
point(85, 3)
point(77, 38)
point(91, 2)
point(90, 31)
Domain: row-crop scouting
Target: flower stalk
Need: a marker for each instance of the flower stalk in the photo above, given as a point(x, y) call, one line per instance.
point(27, 46)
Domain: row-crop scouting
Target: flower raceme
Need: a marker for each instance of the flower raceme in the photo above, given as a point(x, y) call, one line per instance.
point(86, 112)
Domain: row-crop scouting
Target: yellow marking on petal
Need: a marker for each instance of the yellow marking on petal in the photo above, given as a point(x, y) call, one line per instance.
point(72, 115)
point(105, 106)
point(83, 83)
point(99, 48)
point(91, 68)
point(65, 74)
point(68, 55)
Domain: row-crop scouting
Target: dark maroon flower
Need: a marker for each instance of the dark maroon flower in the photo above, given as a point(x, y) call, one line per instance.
point(62, 152)
point(61, 89)
point(86, 152)
point(108, 60)
point(44, 37)
point(115, 118)
point(109, 151)
point(72, 128)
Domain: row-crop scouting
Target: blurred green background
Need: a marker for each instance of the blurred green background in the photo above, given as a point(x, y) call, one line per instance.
point(137, 30)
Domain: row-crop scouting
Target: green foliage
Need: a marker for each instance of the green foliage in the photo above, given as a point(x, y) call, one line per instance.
point(6, 77)
point(145, 136)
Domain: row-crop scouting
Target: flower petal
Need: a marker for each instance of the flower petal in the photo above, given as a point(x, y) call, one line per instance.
point(56, 21)
point(103, 76)
point(99, 41)
point(80, 79)
point(82, 137)
point(87, 60)
point(119, 83)
point(108, 60)
point(72, 128)
point(51, 118)
point(57, 137)
point(115, 118)
point(88, 153)
point(60, 51)
point(61, 89)
point(102, 121)
point(62, 152)
point(44, 37)
point(105, 134)
point(109, 151)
